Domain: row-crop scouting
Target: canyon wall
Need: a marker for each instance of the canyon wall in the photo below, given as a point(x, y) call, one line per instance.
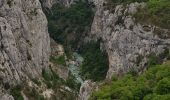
point(127, 42)
point(24, 40)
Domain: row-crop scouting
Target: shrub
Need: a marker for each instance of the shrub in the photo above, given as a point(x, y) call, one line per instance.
point(163, 86)
point(32, 93)
point(71, 82)
point(16, 92)
point(51, 79)
point(46, 75)
point(58, 60)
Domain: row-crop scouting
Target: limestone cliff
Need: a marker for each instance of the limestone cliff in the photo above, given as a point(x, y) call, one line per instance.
point(24, 41)
point(127, 42)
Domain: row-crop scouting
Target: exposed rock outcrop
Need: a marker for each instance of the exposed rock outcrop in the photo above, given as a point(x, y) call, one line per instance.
point(127, 42)
point(6, 97)
point(47, 3)
point(67, 3)
point(57, 50)
point(24, 40)
point(86, 90)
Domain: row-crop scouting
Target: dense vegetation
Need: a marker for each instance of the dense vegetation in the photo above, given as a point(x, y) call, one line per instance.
point(154, 84)
point(126, 1)
point(95, 63)
point(68, 24)
point(58, 60)
point(156, 12)
point(16, 93)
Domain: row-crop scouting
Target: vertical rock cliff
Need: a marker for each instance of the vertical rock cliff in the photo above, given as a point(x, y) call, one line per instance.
point(24, 40)
point(127, 42)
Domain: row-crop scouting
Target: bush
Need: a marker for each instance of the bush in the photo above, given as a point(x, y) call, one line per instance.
point(16, 92)
point(58, 60)
point(32, 93)
point(163, 86)
point(51, 79)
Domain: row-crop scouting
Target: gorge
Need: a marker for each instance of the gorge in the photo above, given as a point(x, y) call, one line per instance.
point(84, 49)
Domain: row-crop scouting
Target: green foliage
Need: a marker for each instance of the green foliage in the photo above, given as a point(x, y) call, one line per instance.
point(153, 84)
point(71, 82)
point(36, 81)
point(32, 93)
point(153, 60)
point(58, 60)
point(46, 75)
point(56, 83)
point(163, 86)
point(16, 92)
point(158, 59)
point(67, 25)
point(51, 79)
point(127, 1)
point(95, 63)
point(157, 12)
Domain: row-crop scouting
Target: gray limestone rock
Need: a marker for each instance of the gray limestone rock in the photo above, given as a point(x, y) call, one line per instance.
point(86, 89)
point(6, 97)
point(24, 40)
point(125, 40)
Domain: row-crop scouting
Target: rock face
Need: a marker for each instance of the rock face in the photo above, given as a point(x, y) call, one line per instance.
point(57, 50)
point(86, 90)
point(6, 97)
point(24, 40)
point(47, 3)
point(127, 42)
point(67, 3)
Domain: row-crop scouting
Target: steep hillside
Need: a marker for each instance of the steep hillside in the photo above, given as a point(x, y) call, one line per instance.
point(127, 41)
point(119, 34)
point(84, 49)
point(153, 84)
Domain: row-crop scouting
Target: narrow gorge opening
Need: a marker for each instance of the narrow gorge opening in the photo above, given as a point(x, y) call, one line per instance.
point(69, 26)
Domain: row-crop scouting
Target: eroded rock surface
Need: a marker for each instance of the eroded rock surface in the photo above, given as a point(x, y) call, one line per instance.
point(6, 97)
point(47, 3)
point(86, 90)
point(127, 42)
point(24, 40)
